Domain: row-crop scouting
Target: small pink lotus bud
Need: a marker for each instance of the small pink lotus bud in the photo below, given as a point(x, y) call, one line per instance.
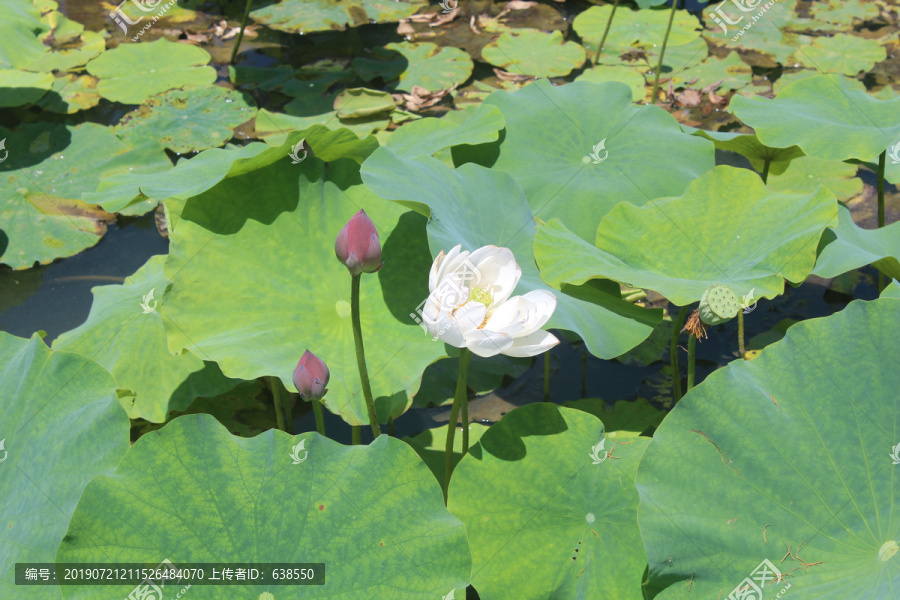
point(357, 245)
point(311, 377)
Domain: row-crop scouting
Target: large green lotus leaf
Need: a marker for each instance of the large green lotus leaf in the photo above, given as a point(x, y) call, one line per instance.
point(188, 120)
point(676, 59)
point(846, 54)
point(124, 334)
point(533, 52)
point(60, 426)
point(19, 29)
point(48, 168)
point(474, 125)
point(71, 93)
point(806, 173)
point(727, 228)
point(272, 221)
point(848, 247)
point(305, 16)
point(18, 88)
point(625, 418)
point(72, 55)
point(545, 519)
point(749, 146)
point(192, 492)
point(431, 66)
point(892, 290)
point(826, 116)
point(431, 446)
point(641, 28)
point(459, 214)
point(276, 126)
point(550, 136)
point(131, 73)
point(622, 74)
point(789, 451)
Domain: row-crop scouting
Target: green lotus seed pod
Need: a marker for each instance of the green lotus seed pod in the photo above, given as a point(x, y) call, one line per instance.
point(718, 304)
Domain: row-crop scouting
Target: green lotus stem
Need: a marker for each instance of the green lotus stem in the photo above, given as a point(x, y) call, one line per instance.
point(881, 161)
point(741, 351)
point(356, 433)
point(361, 354)
point(662, 52)
point(320, 416)
point(240, 35)
point(692, 343)
point(605, 32)
point(635, 296)
point(546, 377)
point(275, 386)
point(673, 352)
point(765, 173)
point(391, 431)
point(460, 400)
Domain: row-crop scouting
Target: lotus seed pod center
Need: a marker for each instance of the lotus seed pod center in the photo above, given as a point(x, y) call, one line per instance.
point(888, 550)
point(483, 296)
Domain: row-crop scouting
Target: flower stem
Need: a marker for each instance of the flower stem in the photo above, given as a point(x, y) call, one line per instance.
point(240, 35)
point(460, 400)
point(673, 352)
point(606, 32)
point(275, 387)
point(361, 355)
point(741, 350)
point(881, 162)
point(692, 343)
point(320, 416)
point(765, 173)
point(356, 432)
point(546, 377)
point(662, 52)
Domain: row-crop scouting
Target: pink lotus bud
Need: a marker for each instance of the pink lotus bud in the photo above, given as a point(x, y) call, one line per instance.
point(357, 245)
point(311, 377)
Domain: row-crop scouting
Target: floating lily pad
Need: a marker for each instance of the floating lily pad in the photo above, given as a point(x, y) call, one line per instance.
point(374, 515)
point(431, 446)
point(72, 55)
point(361, 103)
point(187, 120)
point(551, 136)
point(48, 169)
point(727, 228)
point(626, 75)
point(789, 460)
point(275, 127)
point(305, 16)
point(544, 518)
point(131, 73)
point(459, 215)
point(805, 174)
point(260, 240)
point(18, 88)
point(772, 31)
point(533, 52)
point(842, 53)
point(676, 59)
point(826, 115)
point(70, 94)
point(124, 334)
point(427, 65)
point(730, 73)
point(640, 28)
point(19, 30)
point(62, 426)
point(849, 247)
point(844, 12)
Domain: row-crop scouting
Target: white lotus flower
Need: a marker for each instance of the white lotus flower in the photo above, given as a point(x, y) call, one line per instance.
point(470, 306)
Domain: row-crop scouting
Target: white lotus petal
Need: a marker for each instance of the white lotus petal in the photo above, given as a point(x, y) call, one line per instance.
point(439, 267)
point(511, 317)
point(531, 345)
point(446, 329)
point(499, 272)
point(469, 316)
point(543, 304)
point(486, 343)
